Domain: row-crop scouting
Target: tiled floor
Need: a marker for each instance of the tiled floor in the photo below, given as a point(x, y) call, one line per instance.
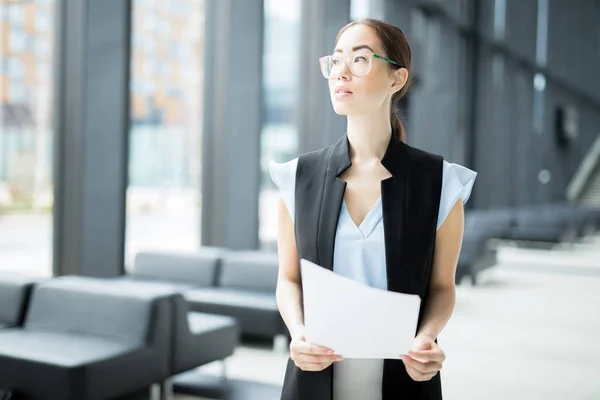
point(523, 333)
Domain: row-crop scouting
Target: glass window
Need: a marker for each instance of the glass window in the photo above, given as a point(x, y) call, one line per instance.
point(16, 69)
point(163, 197)
point(16, 14)
point(360, 9)
point(42, 47)
point(17, 92)
point(43, 22)
point(26, 184)
point(279, 137)
point(17, 41)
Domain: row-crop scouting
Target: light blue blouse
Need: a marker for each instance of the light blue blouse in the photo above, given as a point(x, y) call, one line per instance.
point(359, 254)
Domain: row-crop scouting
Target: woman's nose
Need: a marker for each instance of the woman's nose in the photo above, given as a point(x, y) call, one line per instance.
point(342, 72)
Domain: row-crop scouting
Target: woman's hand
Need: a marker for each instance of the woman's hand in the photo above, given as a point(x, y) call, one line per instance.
point(310, 357)
point(425, 360)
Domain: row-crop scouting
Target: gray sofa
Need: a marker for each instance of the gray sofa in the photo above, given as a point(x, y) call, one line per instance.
point(245, 290)
point(14, 297)
point(186, 270)
point(239, 284)
point(86, 339)
point(197, 338)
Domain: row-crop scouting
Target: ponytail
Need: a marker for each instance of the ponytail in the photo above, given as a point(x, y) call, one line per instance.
point(397, 127)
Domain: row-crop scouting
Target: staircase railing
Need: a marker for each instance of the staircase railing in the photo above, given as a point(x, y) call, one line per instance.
point(584, 173)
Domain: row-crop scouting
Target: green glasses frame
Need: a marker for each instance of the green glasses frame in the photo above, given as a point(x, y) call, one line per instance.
point(386, 59)
point(374, 55)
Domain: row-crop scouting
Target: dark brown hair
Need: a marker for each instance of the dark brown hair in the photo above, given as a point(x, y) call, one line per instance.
point(396, 47)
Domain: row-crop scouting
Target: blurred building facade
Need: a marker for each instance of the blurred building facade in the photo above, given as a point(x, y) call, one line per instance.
point(26, 40)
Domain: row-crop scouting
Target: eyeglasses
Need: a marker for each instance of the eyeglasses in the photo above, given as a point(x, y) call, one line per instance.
point(357, 64)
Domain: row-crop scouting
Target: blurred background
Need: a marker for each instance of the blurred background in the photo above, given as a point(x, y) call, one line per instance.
point(133, 127)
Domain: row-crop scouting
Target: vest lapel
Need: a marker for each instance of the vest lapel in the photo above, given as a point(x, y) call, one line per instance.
point(394, 202)
point(333, 194)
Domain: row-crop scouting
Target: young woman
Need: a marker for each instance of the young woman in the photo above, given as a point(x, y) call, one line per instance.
point(373, 209)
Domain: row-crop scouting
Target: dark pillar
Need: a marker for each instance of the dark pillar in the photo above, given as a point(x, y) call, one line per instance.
point(232, 123)
point(91, 136)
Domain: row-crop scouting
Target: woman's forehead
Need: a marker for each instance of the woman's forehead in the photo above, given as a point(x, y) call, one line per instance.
point(356, 36)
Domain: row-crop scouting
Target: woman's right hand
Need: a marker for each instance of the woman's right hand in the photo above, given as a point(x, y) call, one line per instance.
point(311, 357)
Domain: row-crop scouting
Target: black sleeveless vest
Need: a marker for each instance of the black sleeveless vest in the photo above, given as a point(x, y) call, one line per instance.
point(410, 199)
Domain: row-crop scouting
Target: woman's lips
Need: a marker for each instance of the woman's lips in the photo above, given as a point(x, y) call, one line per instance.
point(342, 92)
point(341, 95)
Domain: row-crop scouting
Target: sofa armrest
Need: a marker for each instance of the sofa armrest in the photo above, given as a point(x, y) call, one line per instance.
point(15, 291)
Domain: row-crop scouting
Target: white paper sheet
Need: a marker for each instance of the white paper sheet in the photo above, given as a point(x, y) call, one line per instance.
point(356, 320)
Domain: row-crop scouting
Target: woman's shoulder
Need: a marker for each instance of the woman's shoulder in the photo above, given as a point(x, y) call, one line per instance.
point(454, 172)
point(309, 155)
point(314, 158)
point(284, 171)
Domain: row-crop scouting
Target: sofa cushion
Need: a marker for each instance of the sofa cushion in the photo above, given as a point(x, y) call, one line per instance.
point(52, 365)
point(210, 338)
point(256, 312)
point(232, 297)
point(92, 307)
point(58, 348)
point(200, 323)
point(249, 270)
point(198, 269)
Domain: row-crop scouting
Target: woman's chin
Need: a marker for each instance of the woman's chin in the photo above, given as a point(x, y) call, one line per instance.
point(340, 109)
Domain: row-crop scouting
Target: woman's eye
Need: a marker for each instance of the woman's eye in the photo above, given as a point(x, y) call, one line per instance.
point(335, 62)
point(360, 59)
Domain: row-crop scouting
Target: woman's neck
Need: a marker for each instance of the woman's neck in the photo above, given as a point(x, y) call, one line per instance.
point(369, 137)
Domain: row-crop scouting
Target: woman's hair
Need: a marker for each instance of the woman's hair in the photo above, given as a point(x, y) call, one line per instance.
point(396, 47)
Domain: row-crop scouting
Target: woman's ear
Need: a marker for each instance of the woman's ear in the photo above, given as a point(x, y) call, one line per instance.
point(400, 79)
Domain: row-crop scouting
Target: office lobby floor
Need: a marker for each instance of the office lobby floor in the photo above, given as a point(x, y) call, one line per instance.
point(524, 332)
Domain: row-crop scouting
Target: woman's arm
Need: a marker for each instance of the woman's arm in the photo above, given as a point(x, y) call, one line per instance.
point(289, 293)
point(307, 356)
point(442, 288)
point(426, 359)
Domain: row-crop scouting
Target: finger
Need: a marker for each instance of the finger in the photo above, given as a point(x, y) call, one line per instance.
point(428, 355)
point(302, 357)
point(421, 367)
point(419, 376)
point(313, 366)
point(426, 368)
point(309, 348)
point(413, 373)
point(415, 365)
point(312, 348)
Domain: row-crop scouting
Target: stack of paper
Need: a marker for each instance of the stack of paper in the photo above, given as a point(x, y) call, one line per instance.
point(356, 320)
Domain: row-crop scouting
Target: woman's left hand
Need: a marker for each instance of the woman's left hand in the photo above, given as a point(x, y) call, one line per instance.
point(425, 359)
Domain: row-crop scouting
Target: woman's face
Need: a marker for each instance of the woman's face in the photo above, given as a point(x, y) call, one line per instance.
point(352, 95)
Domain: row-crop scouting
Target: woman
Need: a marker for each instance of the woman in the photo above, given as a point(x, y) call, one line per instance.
point(375, 210)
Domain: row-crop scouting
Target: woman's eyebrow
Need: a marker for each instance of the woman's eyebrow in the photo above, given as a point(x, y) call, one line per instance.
point(355, 48)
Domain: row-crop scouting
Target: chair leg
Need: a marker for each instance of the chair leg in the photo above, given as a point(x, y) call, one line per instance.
point(155, 392)
point(224, 369)
point(167, 389)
